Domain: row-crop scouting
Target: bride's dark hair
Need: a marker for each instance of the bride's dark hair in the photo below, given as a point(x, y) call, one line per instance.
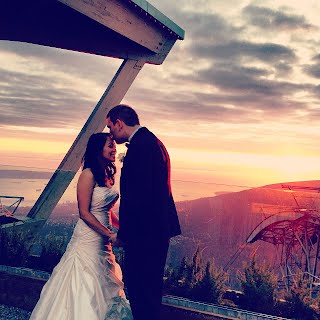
point(94, 160)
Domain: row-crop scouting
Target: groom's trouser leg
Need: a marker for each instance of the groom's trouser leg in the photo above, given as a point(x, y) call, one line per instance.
point(144, 270)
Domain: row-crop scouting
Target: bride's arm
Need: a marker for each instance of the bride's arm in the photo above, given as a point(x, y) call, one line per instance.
point(85, 187)
point(115, 220)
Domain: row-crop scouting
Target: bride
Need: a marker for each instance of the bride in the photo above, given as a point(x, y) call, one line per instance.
point(87, 282)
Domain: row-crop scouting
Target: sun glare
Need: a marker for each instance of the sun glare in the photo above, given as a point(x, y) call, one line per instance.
point(248, 168)
point(33, 146)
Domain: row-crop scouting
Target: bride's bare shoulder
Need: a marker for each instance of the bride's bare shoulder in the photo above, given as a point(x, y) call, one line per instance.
point(86, 174)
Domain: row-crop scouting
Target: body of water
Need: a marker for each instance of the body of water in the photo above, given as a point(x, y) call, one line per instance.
point(25, 182)
point(31, 189)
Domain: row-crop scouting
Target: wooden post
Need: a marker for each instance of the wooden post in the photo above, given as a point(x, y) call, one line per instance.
point(96, 122)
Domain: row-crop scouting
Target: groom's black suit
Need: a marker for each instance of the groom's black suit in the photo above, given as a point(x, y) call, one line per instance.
point(148, 219)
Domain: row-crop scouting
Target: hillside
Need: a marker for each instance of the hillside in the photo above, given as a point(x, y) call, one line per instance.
point(220, 225)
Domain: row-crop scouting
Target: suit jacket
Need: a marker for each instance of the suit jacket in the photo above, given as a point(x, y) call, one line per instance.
point(147, 211)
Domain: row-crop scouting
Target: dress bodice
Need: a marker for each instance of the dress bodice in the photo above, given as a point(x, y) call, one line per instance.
point(102, 201)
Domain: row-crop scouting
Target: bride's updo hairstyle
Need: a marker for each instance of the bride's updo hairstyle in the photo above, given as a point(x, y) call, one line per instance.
point(93, 159)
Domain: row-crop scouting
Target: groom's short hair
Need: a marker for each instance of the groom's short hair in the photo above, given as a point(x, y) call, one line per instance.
point(125, 113)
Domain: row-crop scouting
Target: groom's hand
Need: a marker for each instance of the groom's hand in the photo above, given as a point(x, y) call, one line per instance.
point(115, 241)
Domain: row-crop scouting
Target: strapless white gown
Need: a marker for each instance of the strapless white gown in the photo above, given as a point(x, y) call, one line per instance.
point(87, 282)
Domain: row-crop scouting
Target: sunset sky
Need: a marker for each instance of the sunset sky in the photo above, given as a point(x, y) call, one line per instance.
point(236, 102)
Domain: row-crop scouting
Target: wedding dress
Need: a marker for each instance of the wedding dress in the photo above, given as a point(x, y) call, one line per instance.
point(87, 282)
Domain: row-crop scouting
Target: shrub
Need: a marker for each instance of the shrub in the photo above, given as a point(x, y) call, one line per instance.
point(258, 285)
point(193, 280)
point(298, 302)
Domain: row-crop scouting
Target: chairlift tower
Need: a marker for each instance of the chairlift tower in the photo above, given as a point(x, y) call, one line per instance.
point(295, 233)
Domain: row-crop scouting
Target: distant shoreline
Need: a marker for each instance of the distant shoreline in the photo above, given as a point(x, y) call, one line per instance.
point(25, 174)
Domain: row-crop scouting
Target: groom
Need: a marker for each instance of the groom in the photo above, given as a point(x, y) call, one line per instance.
point(148, 216)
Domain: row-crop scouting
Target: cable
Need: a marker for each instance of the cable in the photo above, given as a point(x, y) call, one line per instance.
point(218, 184)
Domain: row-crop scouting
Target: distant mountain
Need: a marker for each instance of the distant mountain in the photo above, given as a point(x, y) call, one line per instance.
point(220, 225)
point(24, 174)
point(66, 212)
point(310, 186)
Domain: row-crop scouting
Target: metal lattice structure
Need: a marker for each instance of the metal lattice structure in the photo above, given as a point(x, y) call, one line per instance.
point(9, 210)
point(295, 234)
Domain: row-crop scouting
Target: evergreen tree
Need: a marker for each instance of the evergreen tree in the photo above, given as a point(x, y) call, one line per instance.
point(212, 285)
point(195, 272)
point(192, 280)
point(299, 301)
point(183, 270)
point(258, 286)
point(177, 280)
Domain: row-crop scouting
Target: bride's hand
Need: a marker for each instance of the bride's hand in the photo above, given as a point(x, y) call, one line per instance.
point(113, 238)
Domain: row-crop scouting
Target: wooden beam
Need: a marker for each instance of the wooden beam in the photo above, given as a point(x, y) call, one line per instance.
point(36, 22)
point(95, 123)
point(161, 56)
point(117, 16)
